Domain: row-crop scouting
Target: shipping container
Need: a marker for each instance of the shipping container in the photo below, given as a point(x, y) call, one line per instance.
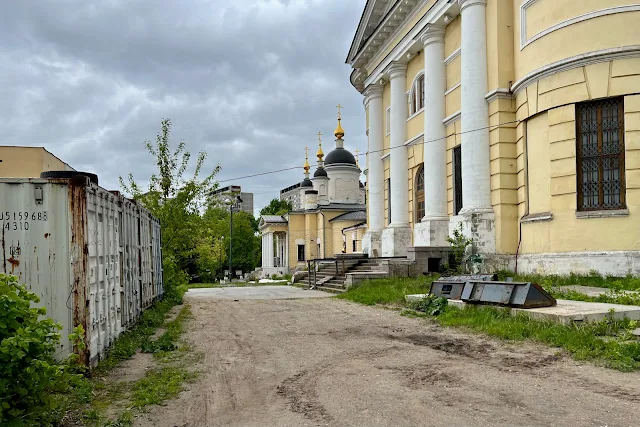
point(91, 255)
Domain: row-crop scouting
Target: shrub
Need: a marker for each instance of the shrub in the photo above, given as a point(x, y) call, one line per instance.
point(29, 373)
point(430, 304)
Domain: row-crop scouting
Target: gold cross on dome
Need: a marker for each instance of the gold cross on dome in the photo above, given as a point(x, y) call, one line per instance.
point(306, 152)
point(357, 153)
point(320, 137)
point(339, 107)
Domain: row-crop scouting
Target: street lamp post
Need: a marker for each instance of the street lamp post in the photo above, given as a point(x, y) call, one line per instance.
point(233, 204)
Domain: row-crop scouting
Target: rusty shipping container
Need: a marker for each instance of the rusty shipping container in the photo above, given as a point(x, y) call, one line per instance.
point(91, 255)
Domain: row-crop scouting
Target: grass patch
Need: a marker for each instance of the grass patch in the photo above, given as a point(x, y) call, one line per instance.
point(235, 285)
point(160, 385)
point(607, 342)
point(628, 283)
point(387, 291)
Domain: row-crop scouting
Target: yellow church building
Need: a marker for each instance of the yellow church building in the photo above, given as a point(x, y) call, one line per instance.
point(328, 220)
point(517, 119)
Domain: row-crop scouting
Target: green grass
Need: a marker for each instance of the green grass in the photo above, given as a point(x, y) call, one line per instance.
point(234, 284)
point(628, 283)
point(609, 343)
point(387, 291)
point(160, 385)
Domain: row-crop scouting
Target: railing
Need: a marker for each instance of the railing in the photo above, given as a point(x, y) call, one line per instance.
point(314, 264)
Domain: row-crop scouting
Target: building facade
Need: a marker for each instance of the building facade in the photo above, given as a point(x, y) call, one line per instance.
point(28, 162)
point(517, 120)
point(328, 217)
point(221, 194)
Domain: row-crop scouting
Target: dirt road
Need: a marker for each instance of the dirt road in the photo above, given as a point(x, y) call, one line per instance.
point(315, 362)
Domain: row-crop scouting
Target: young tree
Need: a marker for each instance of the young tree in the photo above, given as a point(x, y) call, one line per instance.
point(277, 207)
point(176, 200)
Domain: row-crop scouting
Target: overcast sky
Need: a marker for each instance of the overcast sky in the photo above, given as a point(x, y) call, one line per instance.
point(250, 82)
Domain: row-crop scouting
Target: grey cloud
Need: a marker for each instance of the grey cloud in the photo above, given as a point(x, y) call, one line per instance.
point(249, 81)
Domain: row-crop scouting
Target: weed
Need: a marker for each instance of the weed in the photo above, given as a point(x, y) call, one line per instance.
point(387, 291)
point(430, 304)
point(459, 243)
point(160, 385)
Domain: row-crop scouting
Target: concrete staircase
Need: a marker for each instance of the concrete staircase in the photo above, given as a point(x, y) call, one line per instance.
point(328, 280)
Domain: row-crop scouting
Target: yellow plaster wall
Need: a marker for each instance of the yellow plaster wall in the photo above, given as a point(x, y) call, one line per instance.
point(452, 101)
point(414, 66)
point(28, 162)
point(387, 173)
point(500, 35)
point(565, 232)
point(503, 155)
point(605, 32)
point(386, 102)
point(415, 126)
point(296, 231)
point(454, 72)
point(452, 36)
point(359, 234)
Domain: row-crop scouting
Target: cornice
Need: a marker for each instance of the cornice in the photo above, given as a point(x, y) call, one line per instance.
point(500, 93)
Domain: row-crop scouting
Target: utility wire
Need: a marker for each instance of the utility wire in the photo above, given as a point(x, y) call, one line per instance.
point(490, 127)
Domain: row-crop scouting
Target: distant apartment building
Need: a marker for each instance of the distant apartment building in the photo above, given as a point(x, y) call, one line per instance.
point(292, 195)
point(28, 162)
point(247, 198)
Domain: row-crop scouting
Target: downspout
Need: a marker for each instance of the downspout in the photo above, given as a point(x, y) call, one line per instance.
point(526, 189)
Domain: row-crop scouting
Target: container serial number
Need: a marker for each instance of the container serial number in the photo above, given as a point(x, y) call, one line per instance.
point(16, 225)
point(24, 216)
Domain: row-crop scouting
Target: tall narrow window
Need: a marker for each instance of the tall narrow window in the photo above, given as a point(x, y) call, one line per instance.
point(419, 194)
point(416, 101)
point(300, 252)
point(388, 124)
point(389, 200)
point(600, 155)
point(457, 179)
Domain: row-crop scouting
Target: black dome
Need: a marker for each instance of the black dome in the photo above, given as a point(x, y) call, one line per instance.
point(340, 155)
point(306, 183)
point(320, 172)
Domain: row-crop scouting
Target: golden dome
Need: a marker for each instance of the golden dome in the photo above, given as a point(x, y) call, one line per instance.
point(339, 132)
point(306, 159)
point(320, 154)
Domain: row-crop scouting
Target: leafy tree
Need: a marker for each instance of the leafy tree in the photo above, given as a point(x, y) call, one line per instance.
point(177, 201)
point(245, 246)
point(277, 207)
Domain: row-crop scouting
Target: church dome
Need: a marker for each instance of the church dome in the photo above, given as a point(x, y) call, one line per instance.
point(320, 172)
point(306, 183)
point(340, 155)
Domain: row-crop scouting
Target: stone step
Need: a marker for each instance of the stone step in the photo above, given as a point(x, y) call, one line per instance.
point(331, 290)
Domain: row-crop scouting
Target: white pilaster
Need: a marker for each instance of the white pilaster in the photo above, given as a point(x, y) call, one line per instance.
point(397, 237)
point(264, 250)
point(477, 217)
point(375, 174)
point(433, 229)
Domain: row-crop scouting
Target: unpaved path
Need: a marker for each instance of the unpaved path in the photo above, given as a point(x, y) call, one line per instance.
point(314, 362)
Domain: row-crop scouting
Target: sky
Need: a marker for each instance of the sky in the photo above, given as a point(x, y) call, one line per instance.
point(250, 82)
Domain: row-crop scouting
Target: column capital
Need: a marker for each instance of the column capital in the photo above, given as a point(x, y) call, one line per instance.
point(432, 34)
point(466, 3)
point(397, 69)
point(372, 91)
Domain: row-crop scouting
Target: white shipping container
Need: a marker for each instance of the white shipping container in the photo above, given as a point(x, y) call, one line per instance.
point(91, 255)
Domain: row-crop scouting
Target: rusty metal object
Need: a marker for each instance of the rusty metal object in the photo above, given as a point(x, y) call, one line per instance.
point(511, 294)
point(79, 254)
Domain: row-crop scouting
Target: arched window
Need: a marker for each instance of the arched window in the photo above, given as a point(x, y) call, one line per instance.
point(416, 96)
point(419, 194)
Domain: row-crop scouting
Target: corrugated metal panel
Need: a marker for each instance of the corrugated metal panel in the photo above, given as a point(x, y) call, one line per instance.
point(91, 255)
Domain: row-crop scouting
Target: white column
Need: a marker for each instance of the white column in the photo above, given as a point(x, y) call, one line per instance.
point(371, 243)
point(277, 250)
point(397, 236)
point(399, 160)
point(375, 174)
point(476, 182)
point(269, 249)
point(264, 250)
point(286, 250)
point(434, 228)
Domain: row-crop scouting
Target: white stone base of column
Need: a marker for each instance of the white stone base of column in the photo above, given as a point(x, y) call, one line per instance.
point(431, 232)
point(395, 241)
point(372, 243)
point(479, 225)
